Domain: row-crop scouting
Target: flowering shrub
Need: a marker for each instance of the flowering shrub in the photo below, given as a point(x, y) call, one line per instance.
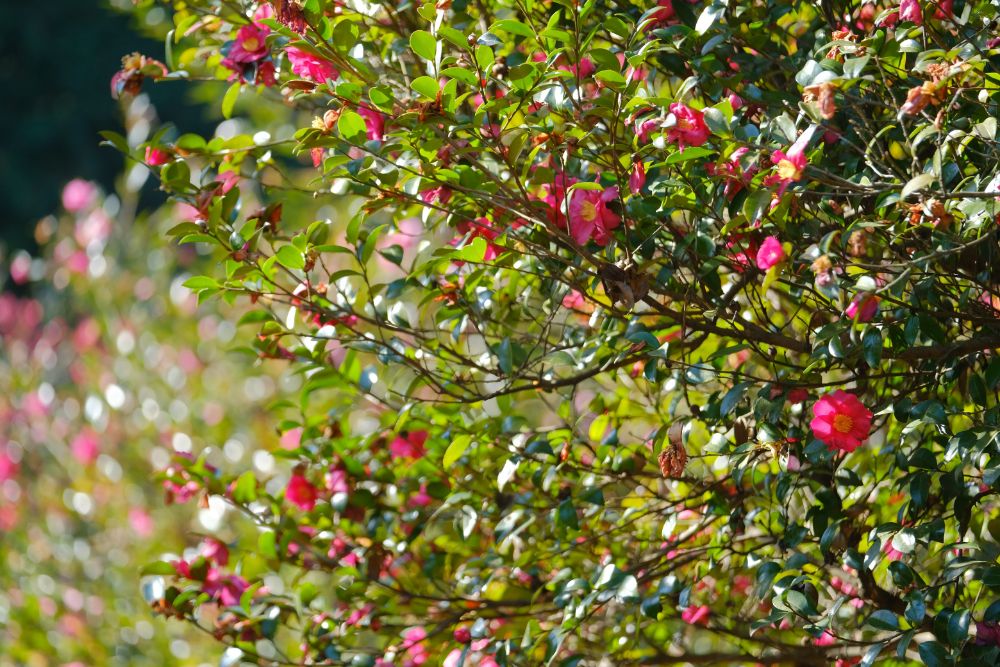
point(627, 332)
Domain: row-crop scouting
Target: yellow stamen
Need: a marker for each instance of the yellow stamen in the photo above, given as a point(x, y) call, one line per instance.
point(788, 171)
point(843, 423)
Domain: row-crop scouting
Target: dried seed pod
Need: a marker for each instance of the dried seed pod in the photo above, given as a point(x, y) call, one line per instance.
point(673, 460)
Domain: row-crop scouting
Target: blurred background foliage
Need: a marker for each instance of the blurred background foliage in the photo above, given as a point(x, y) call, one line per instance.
point(108, 366)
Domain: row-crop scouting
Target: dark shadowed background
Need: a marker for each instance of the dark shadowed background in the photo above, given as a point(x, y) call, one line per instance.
point(56, 60)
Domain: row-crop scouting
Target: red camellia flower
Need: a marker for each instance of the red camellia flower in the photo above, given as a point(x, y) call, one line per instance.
point(690, 129)
point(301, 493)
point(841, 421)
point(770, 253)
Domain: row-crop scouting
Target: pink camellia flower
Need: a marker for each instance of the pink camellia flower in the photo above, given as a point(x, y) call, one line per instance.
point(415, 650)
point(643, 128)
point(862, 308)
point(696, 615)
point(300, 492)
point(78, 195)
point(589, 216)
point(421, 498)
point(85, 447)
point(788, 168)
point(374, 122)
point(249, 46)
point(770, 253)
point(841, 421)
point(690, 128)
point(226, 588)
point(944, 9)
point(215, 551)
point(825, 639)
point(910, 11)
point(292, 438)
point(441, 194)
point(638, 178)
point(554, 195)
point(336, 481)
point(409, 445)
point(309, 66)
point(156, 157)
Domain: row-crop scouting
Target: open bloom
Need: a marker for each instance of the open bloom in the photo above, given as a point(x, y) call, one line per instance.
point(690, 129)
point(590, 217)
point(788, 168)
point(249, 46)
point(301, 493)
point(841, 421)
point(309, 66)
point(770, 253)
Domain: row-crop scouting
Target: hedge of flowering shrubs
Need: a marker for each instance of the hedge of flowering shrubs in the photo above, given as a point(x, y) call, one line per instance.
point(627, 333)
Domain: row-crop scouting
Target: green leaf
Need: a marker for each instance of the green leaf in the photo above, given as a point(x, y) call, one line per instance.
point(709, 17)
point(611, 77)
point(267, 544)
point(229, 99)
point(426, 86)
point(913, 185)
point(351, 125)
point(246, 488)
point(934, 655)
point(201, 282)
point(424, 44)
point(290, 257)
point(733, 397)
point(512, 26)
point(958, 627)
point(689, 153)
point(455, 450)
point(472, 252)
point(871, 344)
point(883, 619)
point(463, 75)
point(161, 567)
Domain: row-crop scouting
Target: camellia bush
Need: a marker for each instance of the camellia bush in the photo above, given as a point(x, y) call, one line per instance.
point(627, 333)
